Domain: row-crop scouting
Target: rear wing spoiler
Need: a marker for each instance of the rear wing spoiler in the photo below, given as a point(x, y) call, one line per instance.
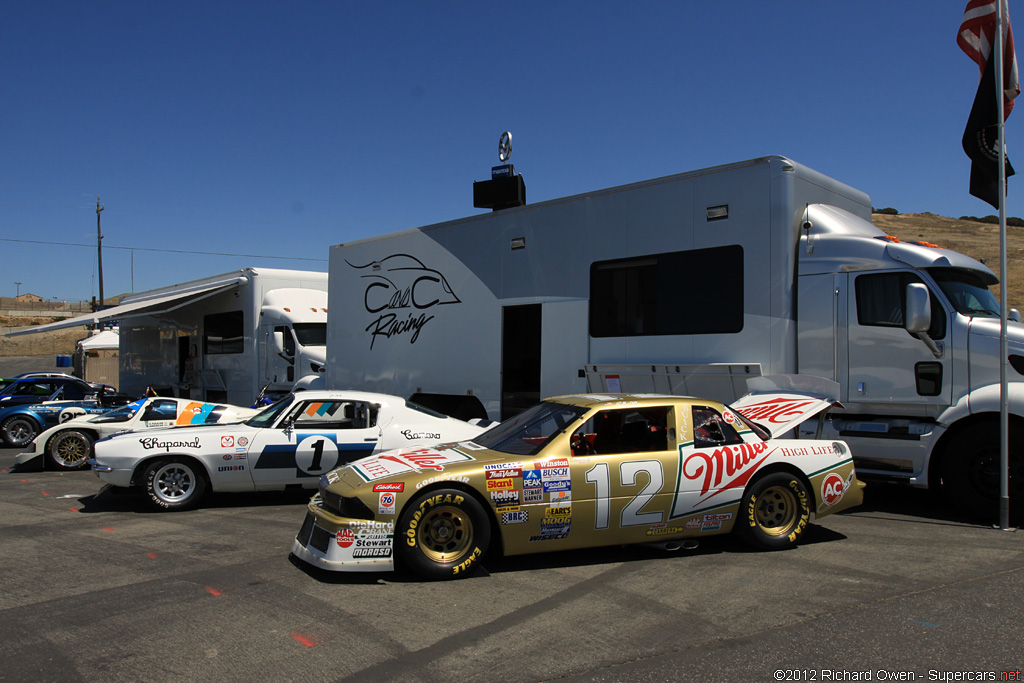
point(781, 402)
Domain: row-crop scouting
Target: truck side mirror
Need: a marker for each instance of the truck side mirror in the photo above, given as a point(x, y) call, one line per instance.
point(1014, 315)
point(277, 340)
point(919, 309)
point(918, 316)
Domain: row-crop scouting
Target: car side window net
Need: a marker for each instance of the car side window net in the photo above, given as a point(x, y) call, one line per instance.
point(710, 429)
point(622, 431)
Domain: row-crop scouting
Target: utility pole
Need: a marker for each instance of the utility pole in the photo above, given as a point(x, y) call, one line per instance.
point(99, 248)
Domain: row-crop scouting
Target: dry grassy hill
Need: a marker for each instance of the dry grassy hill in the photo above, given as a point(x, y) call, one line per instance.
point(977, 240)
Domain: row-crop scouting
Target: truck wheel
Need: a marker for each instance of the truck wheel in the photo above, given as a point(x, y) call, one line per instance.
point(774, 512)
point(971, 471)
point(69, 449)
point(19, 430)
point(174, 485)
point(442, 534)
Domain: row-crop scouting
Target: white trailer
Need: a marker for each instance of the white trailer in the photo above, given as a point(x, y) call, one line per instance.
point(224, 338)
point(690, 284)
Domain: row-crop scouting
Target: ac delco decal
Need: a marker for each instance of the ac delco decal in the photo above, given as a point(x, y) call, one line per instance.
point(832, 489)
point(393, 487)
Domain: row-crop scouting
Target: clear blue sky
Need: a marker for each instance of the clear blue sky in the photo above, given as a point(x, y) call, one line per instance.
point(280, 128)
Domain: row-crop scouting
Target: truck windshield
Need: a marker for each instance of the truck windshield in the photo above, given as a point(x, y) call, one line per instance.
point(267, 417)
point(311, 334)
point(528, 432)
point(967, 292)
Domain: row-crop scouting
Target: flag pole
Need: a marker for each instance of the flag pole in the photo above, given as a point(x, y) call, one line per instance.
point(1004, 418)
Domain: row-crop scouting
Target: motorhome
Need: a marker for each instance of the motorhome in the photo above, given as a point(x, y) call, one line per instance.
point(225, 338)
point(690, 284)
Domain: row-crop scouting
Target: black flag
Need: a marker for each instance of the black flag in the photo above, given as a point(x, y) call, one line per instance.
point(981, 140)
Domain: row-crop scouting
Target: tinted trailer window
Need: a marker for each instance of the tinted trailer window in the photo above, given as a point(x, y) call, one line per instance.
point(682, 292)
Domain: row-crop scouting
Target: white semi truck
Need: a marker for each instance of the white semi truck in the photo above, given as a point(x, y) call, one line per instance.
point(227, 338)
point(690, 284)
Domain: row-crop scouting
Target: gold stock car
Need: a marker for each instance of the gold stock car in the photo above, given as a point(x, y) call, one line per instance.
point(584, 471)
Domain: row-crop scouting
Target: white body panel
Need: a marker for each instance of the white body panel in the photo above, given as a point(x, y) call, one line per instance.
point(308, 434)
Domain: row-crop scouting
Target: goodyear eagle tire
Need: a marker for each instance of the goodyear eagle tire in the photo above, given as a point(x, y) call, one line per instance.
point(972, 469)
point(19, 430)
point(69, 449)
point(174, 484)
point(442, 534)
point(775, 512)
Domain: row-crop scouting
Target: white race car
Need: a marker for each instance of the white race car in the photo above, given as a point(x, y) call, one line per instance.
point(293, 442)
point(67, 446)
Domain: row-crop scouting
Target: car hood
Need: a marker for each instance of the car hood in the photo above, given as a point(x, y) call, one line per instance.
point(418, 465)
point(781, 402)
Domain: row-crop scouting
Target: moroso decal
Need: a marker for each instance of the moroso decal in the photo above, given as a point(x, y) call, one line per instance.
point(399, 289)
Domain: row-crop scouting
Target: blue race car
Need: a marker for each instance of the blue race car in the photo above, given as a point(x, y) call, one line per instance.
point(27, 406)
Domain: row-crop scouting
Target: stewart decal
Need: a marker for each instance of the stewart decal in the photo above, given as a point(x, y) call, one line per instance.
point(399, 288)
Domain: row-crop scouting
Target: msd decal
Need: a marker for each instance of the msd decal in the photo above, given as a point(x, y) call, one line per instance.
point(399, 289)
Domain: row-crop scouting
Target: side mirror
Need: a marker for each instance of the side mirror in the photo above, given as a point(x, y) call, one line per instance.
point(918, 317)
point(1013, 315)
point(919, 309)
point(277, 341)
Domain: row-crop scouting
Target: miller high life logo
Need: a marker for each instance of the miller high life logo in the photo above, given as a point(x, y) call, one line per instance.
point(726, 467)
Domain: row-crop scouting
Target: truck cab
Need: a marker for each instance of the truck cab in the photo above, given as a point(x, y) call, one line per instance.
point(912, 334)
point(293, 337)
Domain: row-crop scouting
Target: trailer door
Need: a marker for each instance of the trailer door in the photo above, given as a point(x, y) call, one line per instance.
point(520, 358)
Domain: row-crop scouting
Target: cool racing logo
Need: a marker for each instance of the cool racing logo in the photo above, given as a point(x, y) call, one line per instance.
point(400, 288)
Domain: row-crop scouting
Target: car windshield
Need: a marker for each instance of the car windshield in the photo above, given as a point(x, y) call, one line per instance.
point(122, 414)
point(967, 292)
point(311, 334)
point(528, 432)
point(270, 415)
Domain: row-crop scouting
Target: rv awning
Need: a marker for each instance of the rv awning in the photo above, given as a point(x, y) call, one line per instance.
point(157, 304)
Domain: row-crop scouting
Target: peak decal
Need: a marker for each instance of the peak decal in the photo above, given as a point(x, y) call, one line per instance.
point(399, 289)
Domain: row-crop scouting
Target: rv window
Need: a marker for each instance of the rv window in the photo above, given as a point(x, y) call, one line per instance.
point(223, 333)
point(882, 300)
point(684, 292)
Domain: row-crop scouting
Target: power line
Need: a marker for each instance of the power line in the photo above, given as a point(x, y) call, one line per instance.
point(164, 251)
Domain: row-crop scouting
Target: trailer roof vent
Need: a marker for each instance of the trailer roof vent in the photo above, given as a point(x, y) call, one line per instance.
point(718, 213)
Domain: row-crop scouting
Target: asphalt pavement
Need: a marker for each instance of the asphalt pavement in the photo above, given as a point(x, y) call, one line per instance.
point(96, 587)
